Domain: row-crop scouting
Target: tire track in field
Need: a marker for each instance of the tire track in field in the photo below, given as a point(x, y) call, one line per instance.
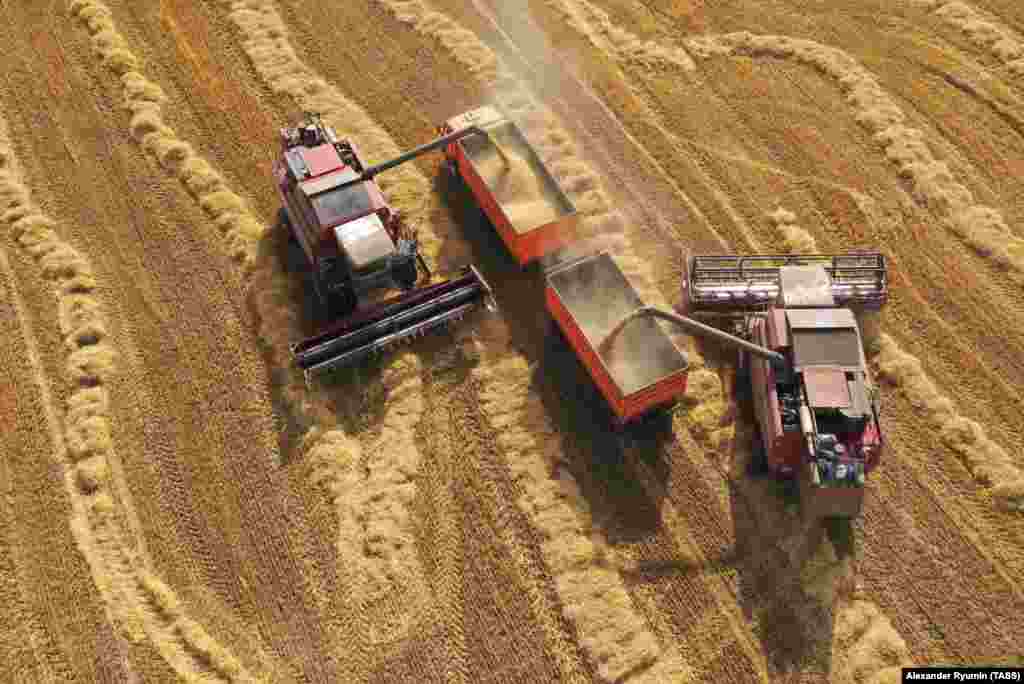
point(265, 41)
point(932, 182)
point(556, 150)
point(136, 599)
point(706, 424)
point(24, 643)
point(593, 596)
point(990, 463)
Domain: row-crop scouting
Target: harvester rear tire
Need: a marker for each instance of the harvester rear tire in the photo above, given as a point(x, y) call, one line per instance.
point(405, 275)
point(758, 465)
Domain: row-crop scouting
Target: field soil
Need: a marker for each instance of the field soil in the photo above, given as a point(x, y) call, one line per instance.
point(177, 504)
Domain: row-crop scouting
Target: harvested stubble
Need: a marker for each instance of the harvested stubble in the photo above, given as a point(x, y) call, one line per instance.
point(594, 23)
point(85, 449)
point(375, 518)
point(933, 183)
point(984, 32)
point(594, 599)
point(988, 462)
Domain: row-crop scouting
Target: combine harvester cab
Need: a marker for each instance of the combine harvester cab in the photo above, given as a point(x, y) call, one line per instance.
point(815, 403)
point(511, 185)
point(587, 297)
point(357, 245)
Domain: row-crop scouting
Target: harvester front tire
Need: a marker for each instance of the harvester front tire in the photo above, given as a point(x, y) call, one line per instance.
point(406, 275)
point(286, 225)
point(342, 303)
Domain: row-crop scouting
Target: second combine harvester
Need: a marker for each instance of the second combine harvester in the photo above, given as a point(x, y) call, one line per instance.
point(800, 350)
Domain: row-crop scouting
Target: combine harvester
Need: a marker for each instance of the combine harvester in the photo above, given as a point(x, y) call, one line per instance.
point(357, 245)
point(802, 357)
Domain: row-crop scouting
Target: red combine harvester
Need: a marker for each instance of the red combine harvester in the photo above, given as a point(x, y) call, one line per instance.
point(801, 352)
point(514, 189)
point(357, 245)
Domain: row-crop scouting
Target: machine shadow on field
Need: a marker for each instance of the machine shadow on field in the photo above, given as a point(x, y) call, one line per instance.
point(354, 395)
point(592, 451)
point(780, 592)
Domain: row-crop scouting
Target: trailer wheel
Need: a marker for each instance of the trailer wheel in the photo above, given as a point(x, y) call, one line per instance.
point(742, 387)
point(452, 167)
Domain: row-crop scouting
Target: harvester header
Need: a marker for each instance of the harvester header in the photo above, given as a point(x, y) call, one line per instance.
point(740, 283)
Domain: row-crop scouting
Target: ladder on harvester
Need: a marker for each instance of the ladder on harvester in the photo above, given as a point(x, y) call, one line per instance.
point(743, 283)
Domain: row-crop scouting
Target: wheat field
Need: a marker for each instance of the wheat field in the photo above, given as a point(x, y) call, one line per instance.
point(178, 505)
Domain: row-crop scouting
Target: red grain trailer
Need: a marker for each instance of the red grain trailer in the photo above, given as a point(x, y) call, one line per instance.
point(523, 201)
point(644, 370)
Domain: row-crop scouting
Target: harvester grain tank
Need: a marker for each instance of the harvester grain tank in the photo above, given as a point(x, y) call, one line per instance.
point(357, 245)
point(511, 184)
point(801, 352)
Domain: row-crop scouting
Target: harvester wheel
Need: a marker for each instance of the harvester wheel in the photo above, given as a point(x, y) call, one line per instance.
point(286, 224)
point(342, 302)
point(338, 302)
point(405, 275)
point(758, 465)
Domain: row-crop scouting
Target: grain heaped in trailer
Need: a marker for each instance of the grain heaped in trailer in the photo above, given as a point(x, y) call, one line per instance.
point(644, 370)
point(524, 203)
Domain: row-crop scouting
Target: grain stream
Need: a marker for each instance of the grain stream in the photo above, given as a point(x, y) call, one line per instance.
point(138, 601)
point(932, 181)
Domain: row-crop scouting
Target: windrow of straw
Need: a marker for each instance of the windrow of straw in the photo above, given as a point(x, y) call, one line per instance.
point(988, 462)
point(985, 32)
point(932, 181)
point(592, 593)
point(375, 518)
point(120, 570)
point(266, 44)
